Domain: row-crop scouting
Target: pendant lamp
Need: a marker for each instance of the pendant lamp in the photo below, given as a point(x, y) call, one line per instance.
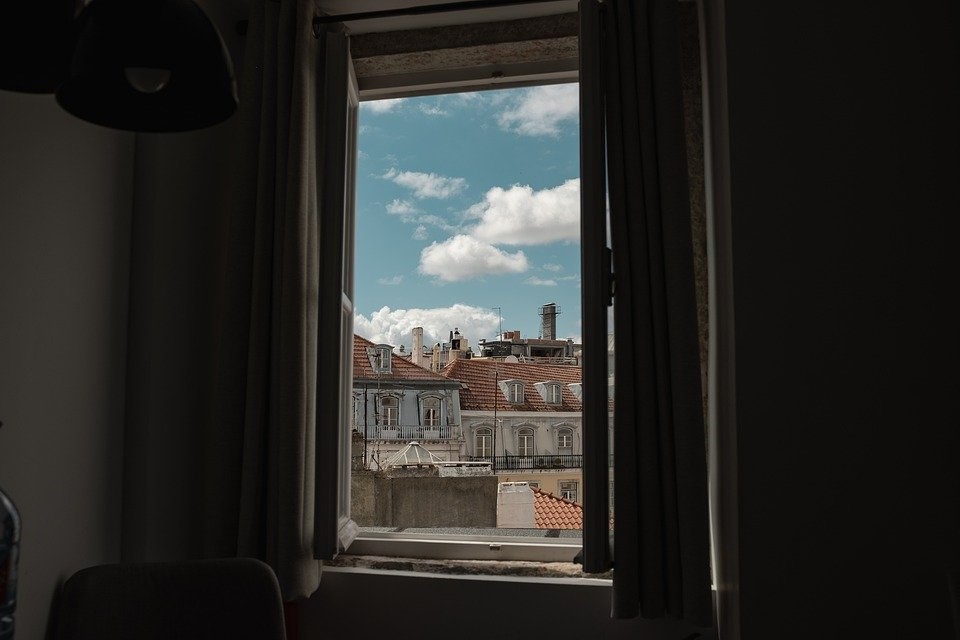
point(36, 40)
point(148, 65)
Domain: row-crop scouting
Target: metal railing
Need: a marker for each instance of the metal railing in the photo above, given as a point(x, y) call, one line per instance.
point(548, 462)
point(408, 432)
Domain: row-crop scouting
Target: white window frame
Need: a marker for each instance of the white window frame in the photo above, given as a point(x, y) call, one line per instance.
point(513, 391)
point(384, 414)
point(554, 393)
point(467, 547)
point(488, 436)
point(526, 442)
point(565, 493)
point(424, 411)
point(561, 433)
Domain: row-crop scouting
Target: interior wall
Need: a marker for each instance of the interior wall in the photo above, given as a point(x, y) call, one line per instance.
point(843, 138)
point(65, 201)
point(370, 604)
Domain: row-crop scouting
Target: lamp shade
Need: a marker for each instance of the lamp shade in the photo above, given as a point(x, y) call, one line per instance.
point(36, 40)
point(148, 65)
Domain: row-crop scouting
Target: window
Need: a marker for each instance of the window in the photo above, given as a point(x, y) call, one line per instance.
point(553, 394)
point(485, 439)
point(514, 391)
point(568, 490)
point(483, 442)
point(381, 358)
point(389, 411)
point(565, 441)
point(525, 446)
point(431, 412)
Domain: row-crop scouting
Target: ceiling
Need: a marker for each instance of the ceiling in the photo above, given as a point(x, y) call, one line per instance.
point(334, 7)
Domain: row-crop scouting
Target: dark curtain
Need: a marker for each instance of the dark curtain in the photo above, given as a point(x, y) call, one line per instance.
point(661, 526)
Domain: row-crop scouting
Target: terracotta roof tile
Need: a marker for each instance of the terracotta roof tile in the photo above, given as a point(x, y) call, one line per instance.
point(556, 513)
point(479, 390)
point(400, 369)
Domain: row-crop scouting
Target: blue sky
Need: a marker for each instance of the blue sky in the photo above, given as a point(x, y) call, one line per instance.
point(467, 202)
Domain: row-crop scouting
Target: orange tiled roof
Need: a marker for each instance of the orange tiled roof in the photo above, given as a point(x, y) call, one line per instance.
point(400, 369)
point(556, 513)
point(479, 390)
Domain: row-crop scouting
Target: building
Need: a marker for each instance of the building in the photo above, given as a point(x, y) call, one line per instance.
point(524, 418)
point(396, 402)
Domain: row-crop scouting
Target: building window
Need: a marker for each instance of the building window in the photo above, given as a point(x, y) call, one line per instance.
point(431, 412)
point(525, 442)
point(389, 411)
point(381, 358)
point(483, 442)
point(568, 490)
point(553, 394)
point(565, 442)
point(515, 392)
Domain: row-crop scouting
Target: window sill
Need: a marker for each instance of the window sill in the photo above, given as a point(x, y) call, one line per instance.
point(501, 568)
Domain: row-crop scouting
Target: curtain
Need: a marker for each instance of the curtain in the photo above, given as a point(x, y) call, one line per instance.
point(259, 454)
point(661, 539)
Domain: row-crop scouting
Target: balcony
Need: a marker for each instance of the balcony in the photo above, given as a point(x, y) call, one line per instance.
point(531, 463)
point(406, 433)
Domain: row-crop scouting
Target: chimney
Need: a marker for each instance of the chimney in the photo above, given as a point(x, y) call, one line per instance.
point(416, 352)
point(548, 321)
point(515, 506)
point(435, 359)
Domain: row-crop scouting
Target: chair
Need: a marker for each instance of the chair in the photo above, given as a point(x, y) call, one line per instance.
point(236, 598)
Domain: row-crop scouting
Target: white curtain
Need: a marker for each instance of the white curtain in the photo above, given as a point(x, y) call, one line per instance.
point(260, 447)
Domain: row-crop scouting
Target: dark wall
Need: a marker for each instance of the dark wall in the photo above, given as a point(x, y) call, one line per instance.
point(843, 146)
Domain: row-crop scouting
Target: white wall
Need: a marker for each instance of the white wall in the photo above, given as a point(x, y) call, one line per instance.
point(65, 199)
point(844, 163)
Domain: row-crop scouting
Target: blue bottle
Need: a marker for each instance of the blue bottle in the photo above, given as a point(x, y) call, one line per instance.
point(9, 549)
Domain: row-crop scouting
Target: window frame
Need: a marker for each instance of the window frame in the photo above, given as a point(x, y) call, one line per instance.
point(383, 415)
point(576, 490)
point(424, 409)
point(488, 434)
point(483, 547)
point(526, 441)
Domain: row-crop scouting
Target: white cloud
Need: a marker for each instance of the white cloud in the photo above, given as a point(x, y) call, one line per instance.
point(427, 185)
point(433, 110)
point(409, 213)
point(394, 326)
point(540, 282)
point(463, 257)
point(521, 216)
point(401, 208)
point(381, 106)
point(550, 266)
point(541, 110)
point(392, 281)
point(420, 233)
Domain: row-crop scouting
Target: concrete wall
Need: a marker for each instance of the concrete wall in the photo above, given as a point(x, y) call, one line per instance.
point(843, 142)
point(423, 500)
point(65, 202)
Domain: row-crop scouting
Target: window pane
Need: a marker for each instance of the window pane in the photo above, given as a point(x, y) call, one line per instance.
point(479, 366)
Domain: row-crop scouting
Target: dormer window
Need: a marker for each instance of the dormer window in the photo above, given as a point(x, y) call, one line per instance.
point(514, 391)
point(577, 389)
point(380, 357)
point(550, 391)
